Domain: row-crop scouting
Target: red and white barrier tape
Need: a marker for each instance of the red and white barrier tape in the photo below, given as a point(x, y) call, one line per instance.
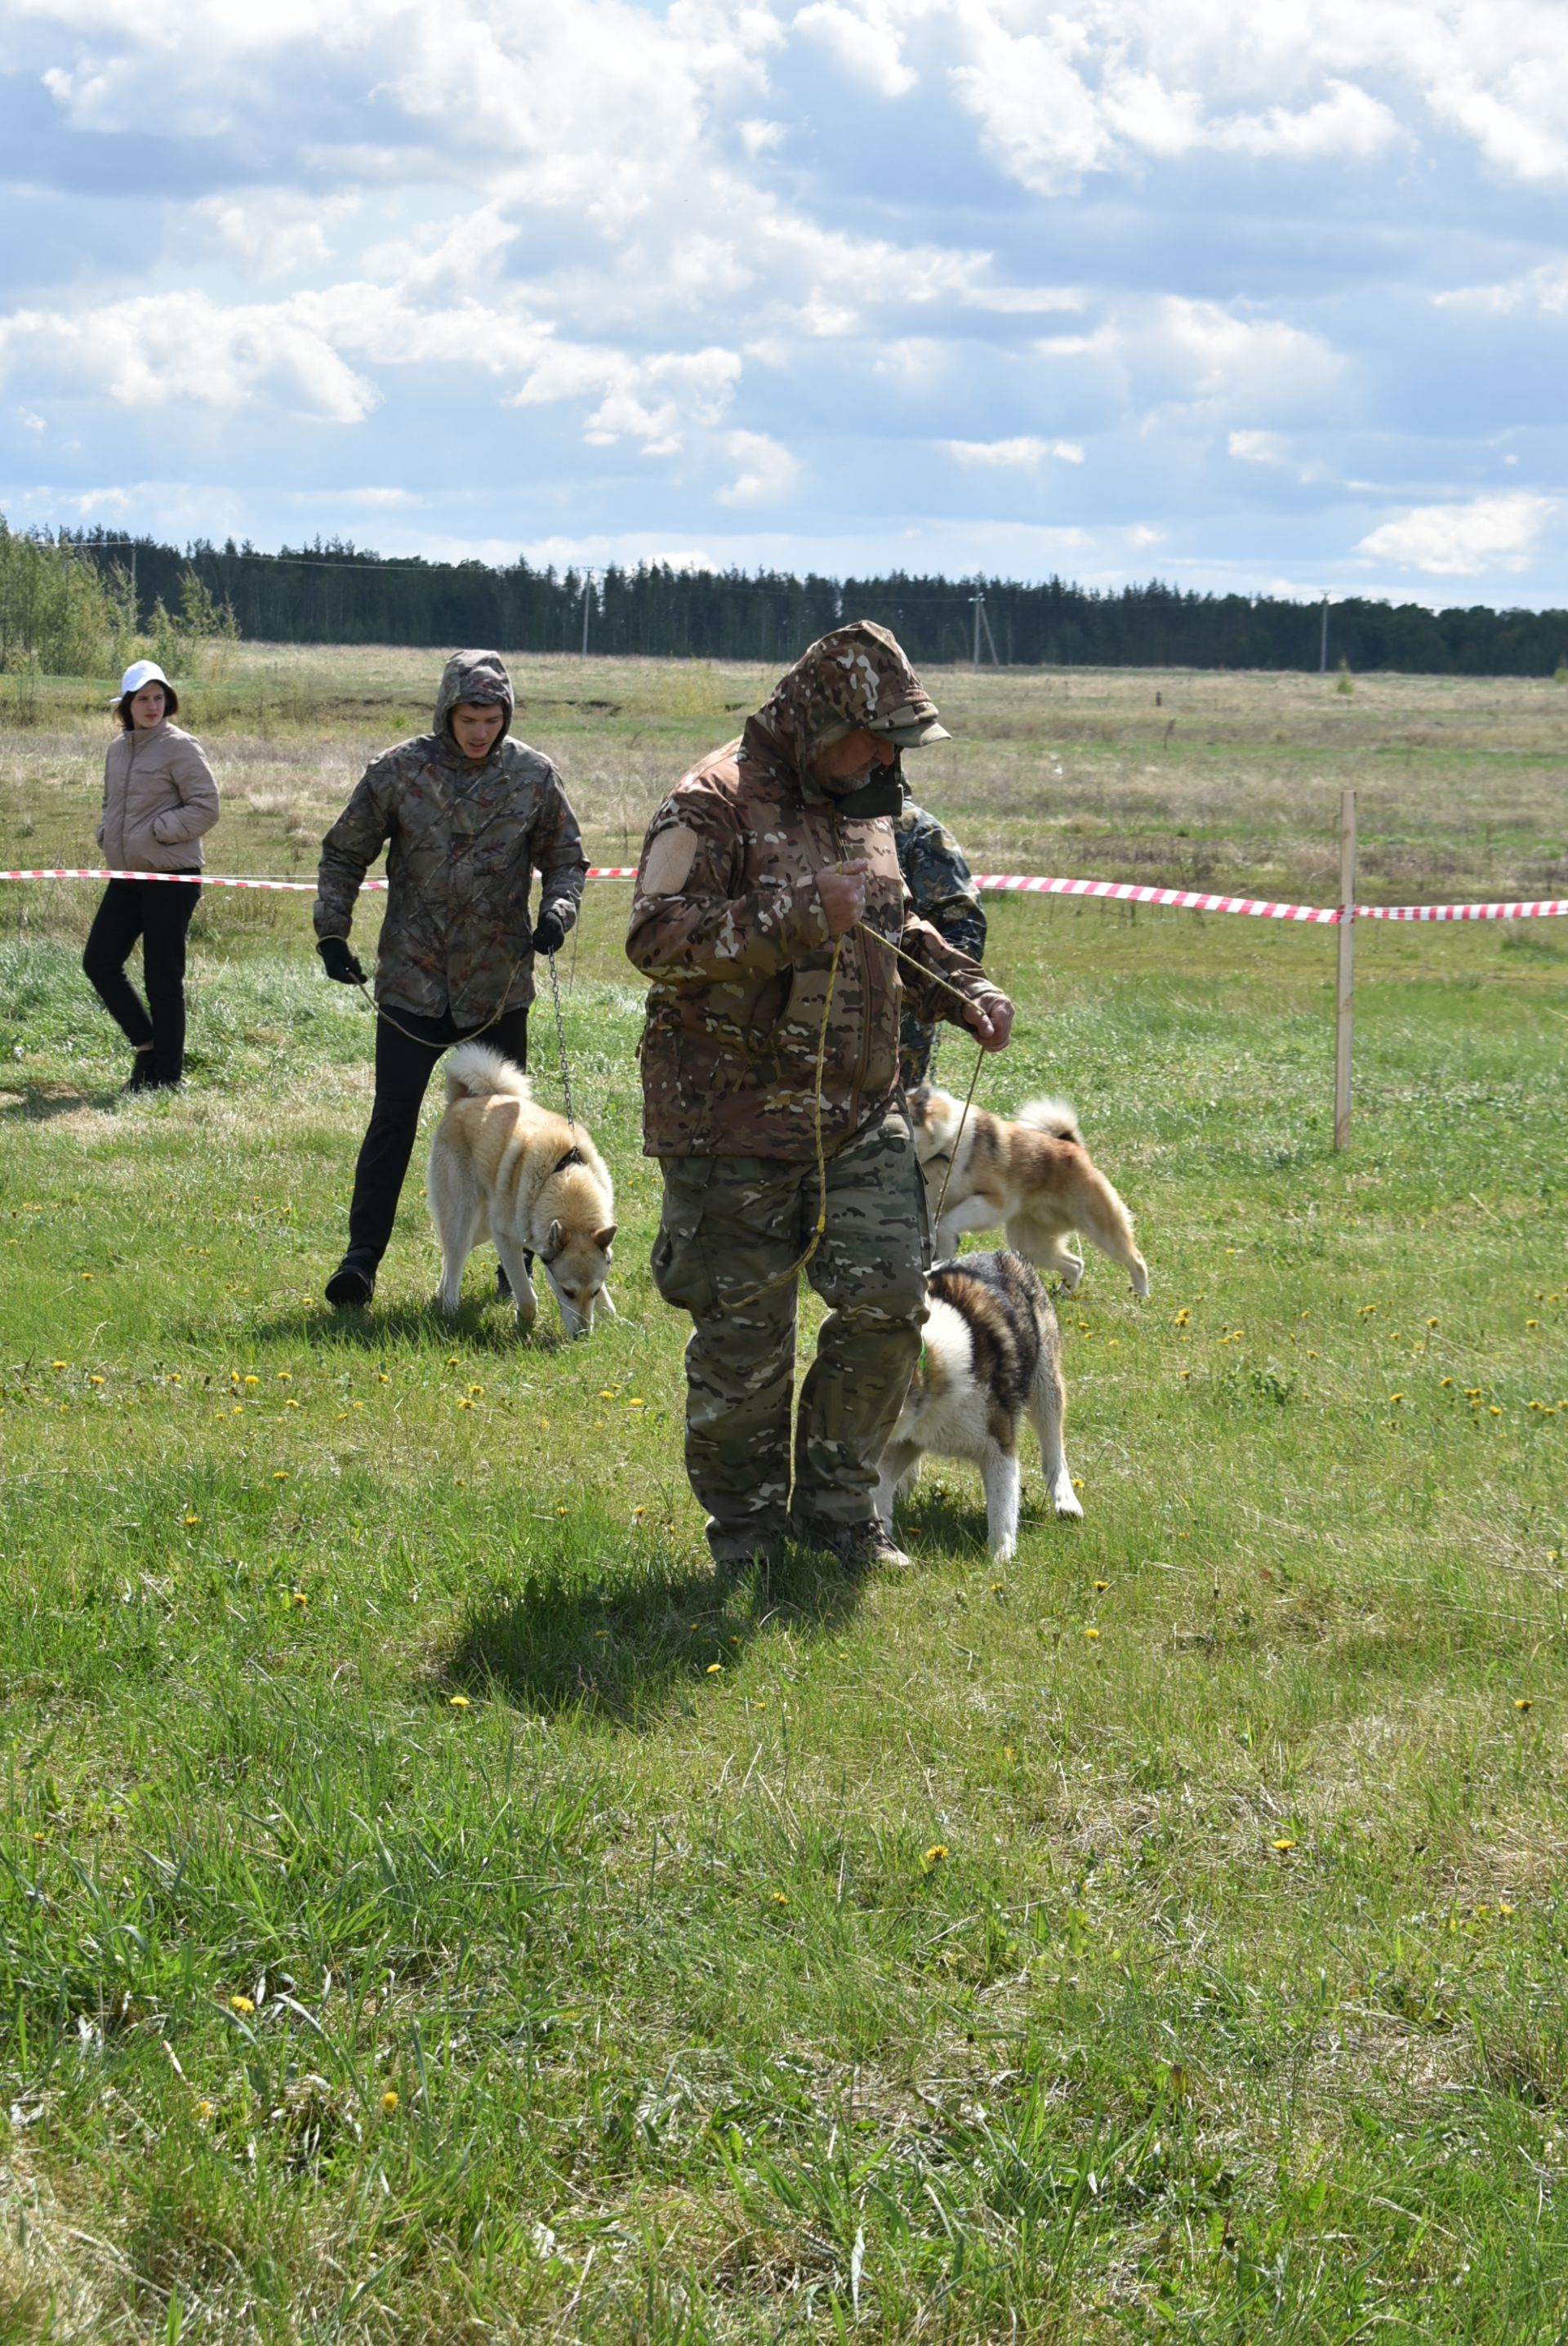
point(1007, 883)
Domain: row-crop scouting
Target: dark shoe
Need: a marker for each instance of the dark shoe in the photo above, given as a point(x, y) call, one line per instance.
point(140, 1074)
point(350, 1285)
point(862, 1547)
point(502, 1284)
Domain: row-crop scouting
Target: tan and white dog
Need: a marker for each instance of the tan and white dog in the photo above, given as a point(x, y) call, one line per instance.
point(991, 1357)
point(503, 1166)
point(1033, 1175)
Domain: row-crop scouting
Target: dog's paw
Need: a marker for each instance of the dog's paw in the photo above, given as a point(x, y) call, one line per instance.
point(1065, 1500)
point(1004, 1551)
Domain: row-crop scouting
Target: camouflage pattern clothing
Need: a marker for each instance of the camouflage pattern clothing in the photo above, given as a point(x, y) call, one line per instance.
point(943, 893)
point(729, 1224)
point(727, 925)
point(463, 841)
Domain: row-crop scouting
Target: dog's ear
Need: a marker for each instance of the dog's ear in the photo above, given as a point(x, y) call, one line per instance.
point(553, 1242)
point(604, 1240)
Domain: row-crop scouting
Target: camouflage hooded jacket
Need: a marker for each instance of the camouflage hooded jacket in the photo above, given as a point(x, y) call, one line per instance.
point(728, 925)
point(462, 843)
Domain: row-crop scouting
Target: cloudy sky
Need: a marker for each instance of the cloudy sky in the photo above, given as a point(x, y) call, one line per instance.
point(1265, 294)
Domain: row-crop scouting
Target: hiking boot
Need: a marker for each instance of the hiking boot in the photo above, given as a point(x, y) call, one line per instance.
point(869, 1546)
point(349, 1284)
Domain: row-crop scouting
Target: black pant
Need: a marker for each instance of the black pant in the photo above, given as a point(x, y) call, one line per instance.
point(404, 1070)
point(159, 912)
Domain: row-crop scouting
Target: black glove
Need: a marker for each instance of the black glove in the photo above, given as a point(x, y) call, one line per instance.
point(550, 932)
point(338, 961)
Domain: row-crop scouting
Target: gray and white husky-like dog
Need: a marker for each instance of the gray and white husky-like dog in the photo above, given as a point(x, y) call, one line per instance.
point(993, 1357)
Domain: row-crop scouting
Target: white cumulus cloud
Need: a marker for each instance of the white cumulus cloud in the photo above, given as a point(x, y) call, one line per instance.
point(768, 471)
point(1489, 533)
point(1024, 453)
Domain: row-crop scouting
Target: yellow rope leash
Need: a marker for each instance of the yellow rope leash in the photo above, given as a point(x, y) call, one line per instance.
point(931, 978)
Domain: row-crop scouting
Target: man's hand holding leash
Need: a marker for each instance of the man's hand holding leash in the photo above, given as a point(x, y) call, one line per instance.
point(842, 889)
point(990, 1021)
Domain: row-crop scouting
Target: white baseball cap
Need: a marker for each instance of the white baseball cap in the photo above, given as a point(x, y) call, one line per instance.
point(141, 672)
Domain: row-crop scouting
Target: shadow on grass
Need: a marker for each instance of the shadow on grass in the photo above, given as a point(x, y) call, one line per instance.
point(487, 1326)
point(624, 1653)
point(36, 1103)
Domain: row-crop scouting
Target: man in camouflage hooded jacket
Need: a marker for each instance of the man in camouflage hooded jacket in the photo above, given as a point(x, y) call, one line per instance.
point(767, 902)
point(466, 815)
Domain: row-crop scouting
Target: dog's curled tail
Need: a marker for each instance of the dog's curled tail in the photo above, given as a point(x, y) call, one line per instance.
point(474, 1071)
point(1058, 1117)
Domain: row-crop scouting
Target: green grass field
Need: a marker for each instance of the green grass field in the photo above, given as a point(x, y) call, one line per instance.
point(429, 1911)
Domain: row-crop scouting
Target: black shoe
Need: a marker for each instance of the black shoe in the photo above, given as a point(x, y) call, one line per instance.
point(140, 1074)
point(863, 1548)
point(350, 1285)
point(502, 1284)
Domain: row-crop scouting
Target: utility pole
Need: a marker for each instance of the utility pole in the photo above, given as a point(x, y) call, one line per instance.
point(1345, 991)
point(587, 590)
point(1323, 642)
point(978, 601)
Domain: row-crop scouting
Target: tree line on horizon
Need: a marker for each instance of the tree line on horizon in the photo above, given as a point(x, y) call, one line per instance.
point(334, 592)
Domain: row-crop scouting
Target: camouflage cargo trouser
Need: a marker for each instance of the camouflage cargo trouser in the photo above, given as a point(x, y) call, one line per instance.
point(730, 1223)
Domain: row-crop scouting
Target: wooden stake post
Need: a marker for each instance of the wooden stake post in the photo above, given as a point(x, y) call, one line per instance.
point(1347, 986)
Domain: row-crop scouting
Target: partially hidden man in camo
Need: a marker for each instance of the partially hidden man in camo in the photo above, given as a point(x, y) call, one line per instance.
point(772, 856)
point(943, 893)
point(466, 815)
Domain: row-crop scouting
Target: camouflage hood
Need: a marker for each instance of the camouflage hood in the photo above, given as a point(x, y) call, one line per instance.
point(858, 676)
point(479, 678)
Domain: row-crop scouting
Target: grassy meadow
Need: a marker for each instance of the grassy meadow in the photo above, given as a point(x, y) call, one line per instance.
point(432, 1910)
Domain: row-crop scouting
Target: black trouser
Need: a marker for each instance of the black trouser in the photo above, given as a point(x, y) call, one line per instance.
point(404, 1070)
point(158, 912)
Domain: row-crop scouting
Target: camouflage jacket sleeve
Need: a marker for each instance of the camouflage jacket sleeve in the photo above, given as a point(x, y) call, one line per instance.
point(939, 881)
point(557, 851)
point(927, 946)
point(693, 916)
point(350, 847)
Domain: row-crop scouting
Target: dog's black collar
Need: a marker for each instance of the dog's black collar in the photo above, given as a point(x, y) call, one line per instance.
point(574, 1156)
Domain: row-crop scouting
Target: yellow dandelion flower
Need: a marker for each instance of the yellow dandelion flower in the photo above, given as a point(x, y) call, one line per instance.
point(1493, 1409)
point(1077, 1482)
point(1091, 1633)
point(206, 2109)
point(561, 1510)
point(780, 1898)
point(389, 2100)
point(1503, 1907)
point(636, 1402)
point(1446, 1381)
point(609, 1393)
point(285, 1376)
point(382, 1377)
point(59, 1364)
point(1394, 1397)
point(193, 1519)
point(935, 1854)
point(452, 1360)
point(241, 2003)
point(1523, 1702)
point(291, 1403)
point(713, 1669)
point(280, 1473)
point(459, 1702)
point(1102, 1584)
point(1432, 1323)
point(1532, 1324)
point(300, 1597)
point(1283, 1843)
point(94, 1381)
point(476, 1389)
point(253, 1381)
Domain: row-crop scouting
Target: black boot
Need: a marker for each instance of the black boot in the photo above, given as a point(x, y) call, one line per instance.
point(349, 1284)
point(141, 1072)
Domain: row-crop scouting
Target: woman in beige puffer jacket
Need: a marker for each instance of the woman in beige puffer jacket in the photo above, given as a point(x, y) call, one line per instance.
point(159, 797)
